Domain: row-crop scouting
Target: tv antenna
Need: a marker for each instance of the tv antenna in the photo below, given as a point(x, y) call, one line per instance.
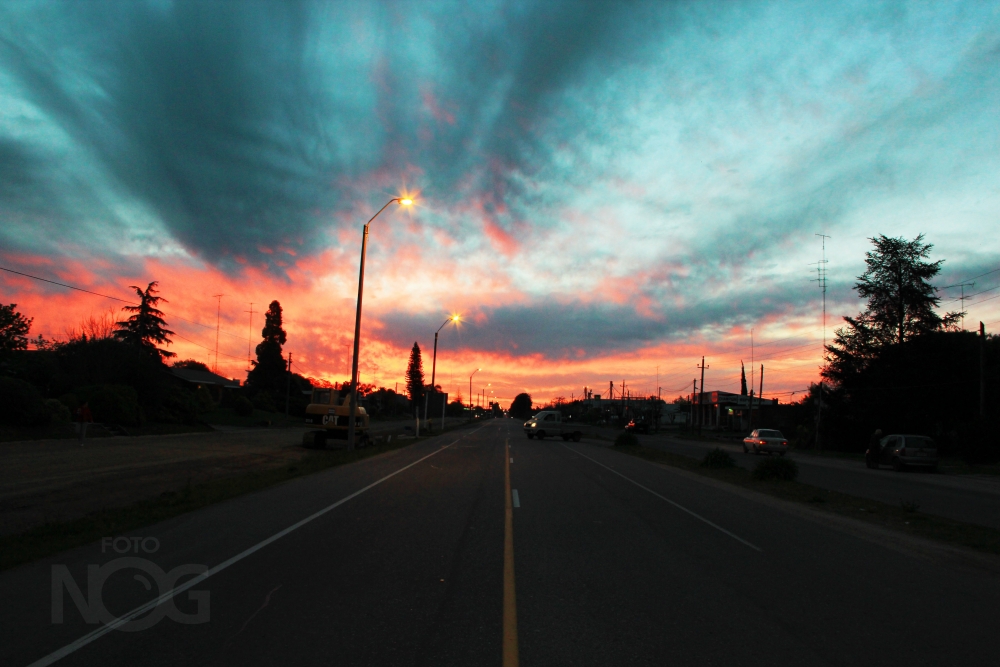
point(962, 285)
point(249, 336)
point(821, 279)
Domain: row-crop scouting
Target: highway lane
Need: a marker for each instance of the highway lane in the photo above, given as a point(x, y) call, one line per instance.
point(609, 573)
point(616, 561)
point(396, 574)
point(968, 498)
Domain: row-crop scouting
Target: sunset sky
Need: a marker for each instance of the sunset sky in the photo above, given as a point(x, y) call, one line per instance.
point(604, 191)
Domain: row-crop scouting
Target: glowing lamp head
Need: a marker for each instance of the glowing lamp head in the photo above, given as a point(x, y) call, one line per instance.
point(406, 201)
point(456, 318)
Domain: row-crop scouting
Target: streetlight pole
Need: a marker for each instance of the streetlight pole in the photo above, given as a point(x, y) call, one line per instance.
point(434, 364)
point(471, 404)
point(352, 417)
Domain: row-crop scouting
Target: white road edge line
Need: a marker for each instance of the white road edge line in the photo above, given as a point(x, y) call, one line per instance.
point(678, 506)
point(516, 501)
point(152, 604)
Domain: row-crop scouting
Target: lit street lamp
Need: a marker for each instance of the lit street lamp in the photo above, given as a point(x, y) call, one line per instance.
point(471, 405)
point(403, 201)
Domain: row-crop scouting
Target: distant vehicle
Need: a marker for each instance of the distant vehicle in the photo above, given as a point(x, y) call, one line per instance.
point(330, 410)
point(549, 423)
point(640, 426)
point(902, 451)
point(765, 440)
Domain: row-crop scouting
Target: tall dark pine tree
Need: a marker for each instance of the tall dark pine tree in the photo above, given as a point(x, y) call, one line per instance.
point(146, 327)
point(901, 303)
point(415, 377)
point(268, 371)
point(743, 380)
point(14, 329)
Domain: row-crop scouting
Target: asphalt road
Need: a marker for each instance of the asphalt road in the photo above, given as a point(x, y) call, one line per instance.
point(57, 480)
point(400, 560)
point(969, 498)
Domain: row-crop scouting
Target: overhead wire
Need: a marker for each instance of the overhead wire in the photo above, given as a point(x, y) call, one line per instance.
point(108, 296)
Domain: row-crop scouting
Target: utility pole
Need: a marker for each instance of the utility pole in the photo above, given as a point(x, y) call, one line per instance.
point(218, 315)
point(982, 371)
point(760, 392)
point(751, 380)
point(694, 391)
point(249, 336)
point(701, 396)
point(288, 383)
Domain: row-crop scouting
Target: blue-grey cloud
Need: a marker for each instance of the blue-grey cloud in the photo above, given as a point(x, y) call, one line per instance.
point(215, 115)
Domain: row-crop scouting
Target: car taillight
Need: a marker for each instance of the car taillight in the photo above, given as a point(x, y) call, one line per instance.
point(784, 442)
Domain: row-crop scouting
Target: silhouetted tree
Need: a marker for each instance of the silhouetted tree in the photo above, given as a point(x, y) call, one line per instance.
point(269, 371)
point(14, 329)
point(520, 407)
point(191, 364)
point(415, 377)
point(743, 380)
point(901, 305)
point(146, 328)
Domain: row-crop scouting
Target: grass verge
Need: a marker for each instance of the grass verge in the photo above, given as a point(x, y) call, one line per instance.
point(904, 517)
point(226, 417)
point(54, 537)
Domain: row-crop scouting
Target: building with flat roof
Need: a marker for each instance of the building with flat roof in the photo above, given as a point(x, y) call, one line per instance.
point(725, 410)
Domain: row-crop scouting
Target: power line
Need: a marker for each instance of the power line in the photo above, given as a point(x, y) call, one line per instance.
point(205, 347)
point(964, 296)
point(974, 277)
point(78, 289)
point(108, 296)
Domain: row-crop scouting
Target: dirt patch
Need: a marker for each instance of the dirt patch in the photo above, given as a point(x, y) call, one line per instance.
point(57, 480)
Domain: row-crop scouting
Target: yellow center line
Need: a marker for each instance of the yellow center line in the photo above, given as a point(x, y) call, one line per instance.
point(510, 653)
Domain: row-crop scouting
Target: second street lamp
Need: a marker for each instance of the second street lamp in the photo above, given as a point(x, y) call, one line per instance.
point(471, 404)
point(453, 318)
point(403, 201)
point(434, 363)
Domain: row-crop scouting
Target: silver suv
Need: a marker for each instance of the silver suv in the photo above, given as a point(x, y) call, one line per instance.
point(902, 451)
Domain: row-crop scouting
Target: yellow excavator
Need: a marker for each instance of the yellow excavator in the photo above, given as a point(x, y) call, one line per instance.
point(330, 410)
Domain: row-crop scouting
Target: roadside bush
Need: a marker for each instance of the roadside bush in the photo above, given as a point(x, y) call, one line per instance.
point(263, 400)
point(58, 412)
point(70, 401)
point(21, 404)
point(242, 406)
point(978, 442)
point(776, 468)
point(626, 439)
point(204, 399)
point(179, 405)
point(111, 403)
point(718, 459)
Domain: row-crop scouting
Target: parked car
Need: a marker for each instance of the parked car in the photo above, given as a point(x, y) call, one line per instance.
point(765, 440)
point(641, 426)
point(549, 423)
point(901, 451)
